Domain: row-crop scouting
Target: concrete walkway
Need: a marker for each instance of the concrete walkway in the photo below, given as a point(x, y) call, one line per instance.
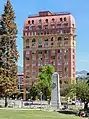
point(50, 110)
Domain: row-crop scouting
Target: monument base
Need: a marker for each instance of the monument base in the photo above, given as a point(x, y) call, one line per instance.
point(55, 105)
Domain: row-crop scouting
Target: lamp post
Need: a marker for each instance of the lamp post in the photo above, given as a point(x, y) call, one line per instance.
point(21, 103)
point(41, 98)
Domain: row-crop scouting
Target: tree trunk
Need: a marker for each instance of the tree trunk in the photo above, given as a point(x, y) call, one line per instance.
point(86, 105)
point(6, 103)
point(44, 93)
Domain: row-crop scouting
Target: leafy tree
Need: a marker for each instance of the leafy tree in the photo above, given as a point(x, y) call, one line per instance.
point(8, 52)
point(45, 82)
point(81, 90)
point(34, 91)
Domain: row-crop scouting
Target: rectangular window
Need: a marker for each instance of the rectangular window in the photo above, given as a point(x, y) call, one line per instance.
point(65, 24)
point(40, 58)
point(52, 44)
point(53, 57)
point(53, 51)
point(73, 56)
point(39, 27)
point(46, 27)
point(61, 31)
point(60, 69)
point(66, 50)
point(59, 25)
point(46, 58)
point(33, 52)
point(34, 58)
point(73, 51)
point(58, 51)
point(46, 39)
point(74, 37)
point(59, 57)
point(66, 69)
point(52, 26)
point(46, 51)
point(27, 52)
point(66, 38)
point(73, 75)
point(73, 63)
point(65, 57)
point(73, 43)
point(27, 27)
point(39, 46)
point(59, 63)
point(27, 58)
point(40, 41)
point(35, 33)
point(27, 67)
point(40, 64)
point(66, 63)
point(46, 45)
point(73, 25)
point(66, 43)
point(33, 44)
point(73, 69)
point(39, 52)
point(33, 27)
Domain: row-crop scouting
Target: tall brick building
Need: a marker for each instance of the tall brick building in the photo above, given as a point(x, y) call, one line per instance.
point(49, 38)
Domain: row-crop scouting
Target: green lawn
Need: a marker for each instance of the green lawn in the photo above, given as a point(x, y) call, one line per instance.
point(31, 114)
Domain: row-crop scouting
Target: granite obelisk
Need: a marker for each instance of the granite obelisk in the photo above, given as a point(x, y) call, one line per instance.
point(55, 95)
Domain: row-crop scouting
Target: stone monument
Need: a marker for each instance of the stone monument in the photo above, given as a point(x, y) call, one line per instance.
point(55, 95)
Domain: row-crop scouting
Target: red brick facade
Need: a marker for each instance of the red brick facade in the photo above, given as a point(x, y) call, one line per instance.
point(49, 39)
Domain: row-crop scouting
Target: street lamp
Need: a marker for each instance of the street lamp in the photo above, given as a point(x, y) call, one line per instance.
point(41, 98)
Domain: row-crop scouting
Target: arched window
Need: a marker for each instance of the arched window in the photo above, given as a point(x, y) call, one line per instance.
point(53, 19)
point(64, 18)
point(60, 19)
point(66, 82)
point(28, 21)
point(27, 43)
point(52, 39)
point(46, 20)
point(33, 40)
point(59, 38)
point(32, 21)
point(40, 21)
point(60, 82)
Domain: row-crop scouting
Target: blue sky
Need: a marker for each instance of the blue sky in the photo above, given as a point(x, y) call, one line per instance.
point(79, 9)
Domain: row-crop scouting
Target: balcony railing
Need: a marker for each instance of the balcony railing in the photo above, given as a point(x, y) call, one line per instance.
point(45, 27)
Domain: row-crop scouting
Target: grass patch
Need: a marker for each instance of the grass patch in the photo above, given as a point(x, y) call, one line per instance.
point(31, 114)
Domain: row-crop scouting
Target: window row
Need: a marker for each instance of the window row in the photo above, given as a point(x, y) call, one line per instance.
point(60, 51)
point(47, 20)
point(46, 45)
point(51, 39)
point(46, 26)
point(35, 74)
point(46, 32)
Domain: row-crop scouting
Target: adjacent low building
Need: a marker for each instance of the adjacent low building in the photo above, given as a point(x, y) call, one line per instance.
point(21, 84)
